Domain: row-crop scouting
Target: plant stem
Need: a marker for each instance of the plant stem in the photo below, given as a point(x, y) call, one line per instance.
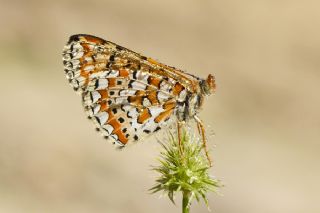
point(185, 201)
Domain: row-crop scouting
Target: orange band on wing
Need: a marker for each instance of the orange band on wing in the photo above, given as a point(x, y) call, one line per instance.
point(123, 73)
point(103, 93)
point(168, 107)
point(163, 116)
point(121, 137)
point(177, 89)
point(144, 115)
point(93, 39)
point(153, 98)
point(154, 81)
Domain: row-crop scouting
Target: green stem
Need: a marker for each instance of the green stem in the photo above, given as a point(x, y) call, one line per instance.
point(185, 202)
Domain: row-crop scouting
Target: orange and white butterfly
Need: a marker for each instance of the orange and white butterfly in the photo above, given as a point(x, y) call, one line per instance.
point(128, 95)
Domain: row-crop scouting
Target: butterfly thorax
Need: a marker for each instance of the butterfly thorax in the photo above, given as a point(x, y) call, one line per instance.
point(197, 90)
point(189, 108)
point(192, 103)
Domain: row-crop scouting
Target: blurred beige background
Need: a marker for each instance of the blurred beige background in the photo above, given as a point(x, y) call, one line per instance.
point(265, 114)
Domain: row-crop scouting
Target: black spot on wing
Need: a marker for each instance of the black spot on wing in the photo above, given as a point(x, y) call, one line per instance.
point(77, 38)
point(118, 47)
point(121, 120)
point(73, 38)
point(130, 83)
point(134, 74)
point(146, 131)
point(157, 129)
point(129, 116)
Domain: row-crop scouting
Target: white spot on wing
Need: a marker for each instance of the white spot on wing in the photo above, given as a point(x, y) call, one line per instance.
point(77, 46)
point(102, 84)
point(127, 92)
point(142, 76)
point(113, 73)
point(133, 112)
point(102, 117)
point(94, 110)
point(164, 86)
point(146, 102)
point(162, 96)
point(88, 68)
point(138, 85)
point(91, 97)
point(98, 74)
point(182, 95)
point(155, 111)
point(121, 100)
point(114, 136)
point(127, 107)
point(77, 55)
point(108, 128)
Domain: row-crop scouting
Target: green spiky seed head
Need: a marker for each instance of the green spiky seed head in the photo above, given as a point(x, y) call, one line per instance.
point(186, 171)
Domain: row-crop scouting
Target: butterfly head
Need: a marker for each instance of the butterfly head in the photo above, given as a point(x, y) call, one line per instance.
point(208, 85)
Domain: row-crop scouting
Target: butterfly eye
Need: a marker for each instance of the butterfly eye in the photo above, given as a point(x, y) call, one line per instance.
point(211, 83)
point(208, 86)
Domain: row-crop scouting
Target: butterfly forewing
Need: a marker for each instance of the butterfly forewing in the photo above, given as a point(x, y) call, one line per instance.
point(126, 94)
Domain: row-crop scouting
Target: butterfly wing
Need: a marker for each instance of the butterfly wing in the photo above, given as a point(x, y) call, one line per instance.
point(126, 94)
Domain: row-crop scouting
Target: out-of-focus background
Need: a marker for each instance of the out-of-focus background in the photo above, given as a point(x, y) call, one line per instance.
point(265, 115)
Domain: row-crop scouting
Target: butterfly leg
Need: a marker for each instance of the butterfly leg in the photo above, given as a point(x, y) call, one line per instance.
point(204, 139)
point(179, 125)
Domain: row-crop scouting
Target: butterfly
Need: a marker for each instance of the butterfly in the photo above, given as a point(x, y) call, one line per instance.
point(129, 96)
